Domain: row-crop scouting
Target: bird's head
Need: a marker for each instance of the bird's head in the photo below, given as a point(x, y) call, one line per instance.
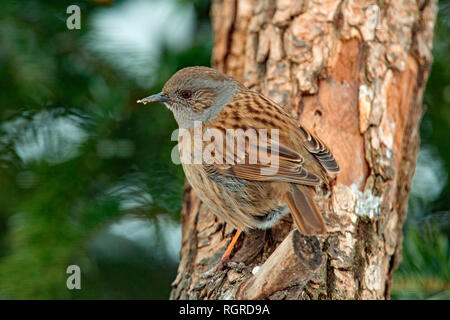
point(196, 94)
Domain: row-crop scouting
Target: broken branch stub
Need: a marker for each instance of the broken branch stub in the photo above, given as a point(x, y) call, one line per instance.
point(293, 263)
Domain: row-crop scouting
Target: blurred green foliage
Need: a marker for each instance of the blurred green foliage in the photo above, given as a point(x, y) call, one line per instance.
point(71, 131)
point(86, 176)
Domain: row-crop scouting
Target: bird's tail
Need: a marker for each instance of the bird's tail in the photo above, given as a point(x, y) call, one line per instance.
point(304, 211)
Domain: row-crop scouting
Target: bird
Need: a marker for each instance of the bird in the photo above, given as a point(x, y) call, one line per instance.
point(237, 190)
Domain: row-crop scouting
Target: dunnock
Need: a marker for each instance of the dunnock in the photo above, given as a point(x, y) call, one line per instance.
point(234, 188)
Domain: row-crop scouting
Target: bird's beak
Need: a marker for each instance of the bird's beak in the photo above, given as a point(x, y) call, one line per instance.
point(159, 97)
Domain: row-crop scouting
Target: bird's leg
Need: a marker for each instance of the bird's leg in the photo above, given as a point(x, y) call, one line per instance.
point(268, 237)
point(226, 255)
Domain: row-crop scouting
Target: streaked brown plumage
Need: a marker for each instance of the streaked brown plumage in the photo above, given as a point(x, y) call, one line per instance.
point(238, 193)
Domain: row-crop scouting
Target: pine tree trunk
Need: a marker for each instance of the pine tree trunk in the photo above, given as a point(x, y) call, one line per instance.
point(354, 73)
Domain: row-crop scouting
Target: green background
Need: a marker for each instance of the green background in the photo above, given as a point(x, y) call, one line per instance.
point(86, 176)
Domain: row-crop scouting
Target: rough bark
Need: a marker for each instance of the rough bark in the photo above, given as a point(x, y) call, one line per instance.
point(353, 72)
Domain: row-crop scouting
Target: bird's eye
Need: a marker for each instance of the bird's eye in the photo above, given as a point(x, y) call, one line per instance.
point(186, 94)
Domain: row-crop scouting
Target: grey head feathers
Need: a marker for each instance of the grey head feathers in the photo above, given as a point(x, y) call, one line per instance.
point(211, 92)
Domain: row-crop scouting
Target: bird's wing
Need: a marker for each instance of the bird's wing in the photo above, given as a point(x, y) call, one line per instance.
point(277, 162)
point(299, 198)
point(319, 150)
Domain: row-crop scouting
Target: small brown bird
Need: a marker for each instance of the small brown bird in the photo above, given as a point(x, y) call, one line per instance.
point(234, 188)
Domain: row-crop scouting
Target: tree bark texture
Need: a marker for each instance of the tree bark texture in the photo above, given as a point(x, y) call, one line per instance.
point(353, 72)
